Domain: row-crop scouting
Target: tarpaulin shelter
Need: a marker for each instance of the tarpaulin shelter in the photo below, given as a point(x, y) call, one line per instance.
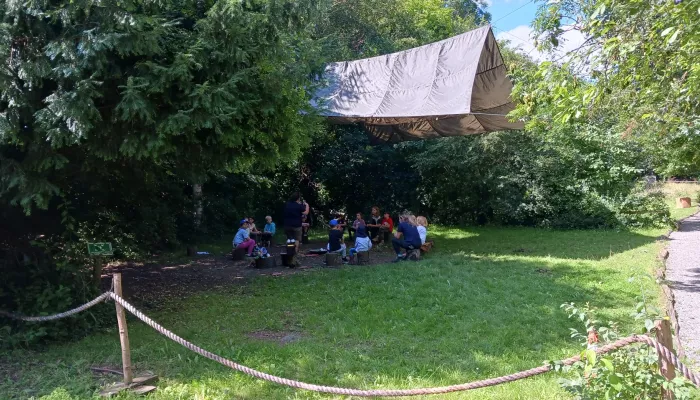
point(458, 86)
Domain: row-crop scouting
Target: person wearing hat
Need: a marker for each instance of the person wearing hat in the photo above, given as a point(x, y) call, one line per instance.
point(242, 239)
point(335, 239)
point(362, 241)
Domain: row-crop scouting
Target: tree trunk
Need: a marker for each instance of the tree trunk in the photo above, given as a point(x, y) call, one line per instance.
point(197, 216)
point(198, 207)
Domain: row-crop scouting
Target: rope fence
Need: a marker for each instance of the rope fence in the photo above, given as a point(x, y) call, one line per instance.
point(43, 318)
point(663, 351)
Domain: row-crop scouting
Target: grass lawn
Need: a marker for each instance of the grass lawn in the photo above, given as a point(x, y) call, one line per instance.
point(484, 303)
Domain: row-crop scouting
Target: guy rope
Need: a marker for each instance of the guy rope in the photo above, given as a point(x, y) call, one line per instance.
point(661, 350)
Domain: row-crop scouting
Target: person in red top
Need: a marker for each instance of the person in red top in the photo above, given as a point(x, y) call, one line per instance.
point(387, 227)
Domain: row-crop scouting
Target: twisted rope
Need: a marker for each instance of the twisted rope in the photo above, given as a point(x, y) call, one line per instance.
point(104, 296)
point(665, 352)
point(662, 350)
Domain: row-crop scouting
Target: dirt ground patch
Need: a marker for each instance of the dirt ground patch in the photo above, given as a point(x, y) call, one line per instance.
point(151, 285)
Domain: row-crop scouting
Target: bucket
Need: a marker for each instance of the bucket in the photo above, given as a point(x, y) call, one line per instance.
point(267, 262)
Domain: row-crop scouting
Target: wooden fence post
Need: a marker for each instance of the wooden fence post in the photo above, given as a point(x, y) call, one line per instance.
point(665, 337)
point(123, 332)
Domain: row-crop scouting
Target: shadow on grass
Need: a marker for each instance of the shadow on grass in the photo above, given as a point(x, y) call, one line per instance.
point(573, 244)
point(445, 320)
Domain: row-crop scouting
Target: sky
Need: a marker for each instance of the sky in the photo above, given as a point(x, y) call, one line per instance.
point(511, 21)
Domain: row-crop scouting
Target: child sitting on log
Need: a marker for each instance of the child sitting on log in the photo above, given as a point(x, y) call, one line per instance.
point(242, 239)
point(362, 242)
point(335, 240)
point(269, 231)
point(422, 227)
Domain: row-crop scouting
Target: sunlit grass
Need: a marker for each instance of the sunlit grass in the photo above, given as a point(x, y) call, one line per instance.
point(484, 303)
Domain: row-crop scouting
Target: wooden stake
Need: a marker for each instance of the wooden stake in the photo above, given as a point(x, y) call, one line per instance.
point(97, 266)
point(665, 337)
point(123, 332)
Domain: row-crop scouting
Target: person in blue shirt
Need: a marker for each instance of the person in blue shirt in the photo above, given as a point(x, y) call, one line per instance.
point(362, 242)
point(335, 240)
point(269, 231)
point(405, 237)
point(242, 239)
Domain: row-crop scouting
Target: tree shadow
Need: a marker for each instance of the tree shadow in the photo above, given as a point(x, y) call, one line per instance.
point(690, 283)
point(449, 320)
point(565, 244)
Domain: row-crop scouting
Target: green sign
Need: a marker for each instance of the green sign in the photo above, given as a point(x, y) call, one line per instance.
point(100, 249)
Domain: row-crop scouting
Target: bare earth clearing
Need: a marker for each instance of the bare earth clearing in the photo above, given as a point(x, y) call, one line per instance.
point(151, 284)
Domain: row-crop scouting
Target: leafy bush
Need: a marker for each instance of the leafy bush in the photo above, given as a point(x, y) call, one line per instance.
point(58, 394)
point(644, 208)
point(631, 372)
point(580, 177)
point(44, 280)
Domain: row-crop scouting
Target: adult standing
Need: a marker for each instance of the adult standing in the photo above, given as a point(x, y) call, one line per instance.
point(293, 212)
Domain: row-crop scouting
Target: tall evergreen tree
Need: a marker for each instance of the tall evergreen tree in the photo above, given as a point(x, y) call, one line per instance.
point(145, 80)
point(110, 108)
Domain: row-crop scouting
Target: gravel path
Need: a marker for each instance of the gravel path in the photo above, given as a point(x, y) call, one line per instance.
point(683, 273)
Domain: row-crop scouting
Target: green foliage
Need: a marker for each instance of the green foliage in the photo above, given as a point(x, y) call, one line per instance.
point(354, 29)
point(111, 111)
point(346, 173)
point(58, 394)
point(644, 208)
point(578, 177)
point(631, 372)
point(639, 60)
point(221, 91)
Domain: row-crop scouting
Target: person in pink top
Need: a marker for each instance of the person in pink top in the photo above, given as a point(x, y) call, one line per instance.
point(242, 239)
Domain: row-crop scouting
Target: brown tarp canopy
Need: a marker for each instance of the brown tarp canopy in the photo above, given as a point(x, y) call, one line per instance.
point(454, 87)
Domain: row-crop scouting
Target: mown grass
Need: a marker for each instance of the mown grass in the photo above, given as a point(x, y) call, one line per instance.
point(483, 304)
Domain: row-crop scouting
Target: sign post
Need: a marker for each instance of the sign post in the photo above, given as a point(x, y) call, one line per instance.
point(137, 385)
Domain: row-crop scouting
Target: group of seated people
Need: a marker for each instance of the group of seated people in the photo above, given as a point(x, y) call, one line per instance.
point(248, 235)
point(411, 233)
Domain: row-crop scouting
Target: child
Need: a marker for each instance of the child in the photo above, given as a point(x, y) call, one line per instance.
point(242, 239)
point(305, 225)
point(253, 230)
point(251, 225)
point(335, 240)
point(362, 242)
point(387, 227)
point(358, 221)
point(269, 231)
point(422, 223)
point(341, 221)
